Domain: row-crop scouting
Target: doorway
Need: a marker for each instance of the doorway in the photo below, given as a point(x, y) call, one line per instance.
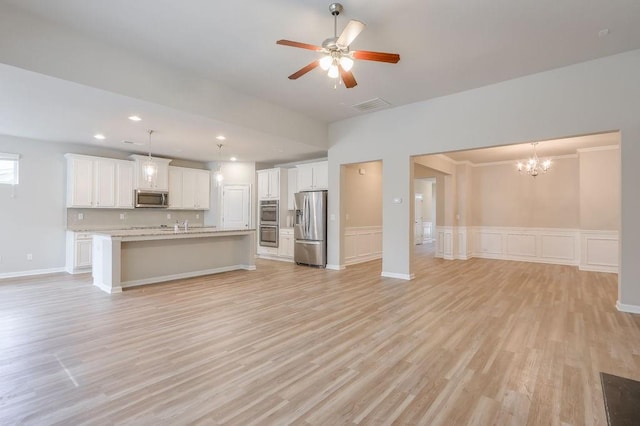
point(236, 206)
point(361, 189)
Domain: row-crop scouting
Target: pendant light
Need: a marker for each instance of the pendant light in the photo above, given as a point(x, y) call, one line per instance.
point(218, 173)
point(150, 168)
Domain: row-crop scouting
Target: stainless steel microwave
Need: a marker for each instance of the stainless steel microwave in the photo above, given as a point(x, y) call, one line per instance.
point(151, 199)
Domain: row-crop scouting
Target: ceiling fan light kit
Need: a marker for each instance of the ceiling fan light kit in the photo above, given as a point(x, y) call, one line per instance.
point(337, 59)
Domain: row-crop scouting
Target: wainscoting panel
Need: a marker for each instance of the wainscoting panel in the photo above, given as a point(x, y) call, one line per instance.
point(589, 250)
point(362, 244)
point(559, 248)
point(543, 245)
point(599, 251)
point(488, 243)
point(521, 244)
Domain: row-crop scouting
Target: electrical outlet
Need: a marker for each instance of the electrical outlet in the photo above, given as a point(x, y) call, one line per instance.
point(168, 215)
point(121, 216)
point(29, 256)
point(0, 259)
point(197, 216)
point(80, 216)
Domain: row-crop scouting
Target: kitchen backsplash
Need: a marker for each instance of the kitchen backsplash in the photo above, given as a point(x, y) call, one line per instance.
point(110, 218)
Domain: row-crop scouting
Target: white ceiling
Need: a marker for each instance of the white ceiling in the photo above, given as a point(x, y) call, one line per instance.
point(445, 47)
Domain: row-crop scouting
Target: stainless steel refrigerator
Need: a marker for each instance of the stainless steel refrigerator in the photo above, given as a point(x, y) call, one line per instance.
point(310, 230)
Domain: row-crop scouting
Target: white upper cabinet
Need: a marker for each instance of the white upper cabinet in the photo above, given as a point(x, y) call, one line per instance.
point(269, 184)
point(313, 176)
point(292, 187)
point(105, 182)
point(161, 183)
point(203, 189)
point(189, 188)
point(79, 181)
point(124, 184)
point(95, 182)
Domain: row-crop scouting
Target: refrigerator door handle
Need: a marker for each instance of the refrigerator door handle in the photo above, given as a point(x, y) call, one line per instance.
point(312, 243)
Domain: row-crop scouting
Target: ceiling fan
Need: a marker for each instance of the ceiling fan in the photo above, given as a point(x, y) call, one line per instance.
point(337, 59)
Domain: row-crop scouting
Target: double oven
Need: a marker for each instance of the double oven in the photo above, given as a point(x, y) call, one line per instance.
point(269, 228)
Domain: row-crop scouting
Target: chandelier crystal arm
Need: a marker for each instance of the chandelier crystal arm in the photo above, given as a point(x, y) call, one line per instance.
point(533, 166)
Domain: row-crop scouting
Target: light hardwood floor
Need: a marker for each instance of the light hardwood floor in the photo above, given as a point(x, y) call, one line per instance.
point(467, 342)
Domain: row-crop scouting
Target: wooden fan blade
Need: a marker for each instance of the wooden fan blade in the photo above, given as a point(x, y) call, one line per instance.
point(392, 58)
point(350, 33)
point(347, 78)
point(303, 71)
point(298, 44)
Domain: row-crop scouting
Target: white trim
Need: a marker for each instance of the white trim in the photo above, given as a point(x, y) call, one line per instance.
point(630, 309)
point(183, 275)
point(406, 277)
point(362, 244)
point(335, 267)
point(108, 289)
point(599, 148)
point(599, 251)
point(590, 250)
point(32, 272)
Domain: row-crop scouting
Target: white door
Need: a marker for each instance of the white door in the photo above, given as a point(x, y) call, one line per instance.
point(236, 206)
point(418, 230)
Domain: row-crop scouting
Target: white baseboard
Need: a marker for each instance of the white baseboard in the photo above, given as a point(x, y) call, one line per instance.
point(32, 272)
point(278, 258)
point(631, 309)
point(335, 267)
point(184, 275)
point(399, 276)
point(107, 289)
point(599, 268)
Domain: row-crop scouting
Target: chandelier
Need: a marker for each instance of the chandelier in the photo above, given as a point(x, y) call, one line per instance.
point(150, 168)
point(533, 166)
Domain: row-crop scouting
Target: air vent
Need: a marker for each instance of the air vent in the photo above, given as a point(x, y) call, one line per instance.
point(370, 105)
point(132, 143)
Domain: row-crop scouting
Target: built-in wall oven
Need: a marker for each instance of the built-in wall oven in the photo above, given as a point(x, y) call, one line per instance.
point(269, 228)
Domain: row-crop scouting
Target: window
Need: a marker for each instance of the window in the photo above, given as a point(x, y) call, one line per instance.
point(9, 168)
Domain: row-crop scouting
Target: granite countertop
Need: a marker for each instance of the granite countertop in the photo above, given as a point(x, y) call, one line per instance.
point(166, 232)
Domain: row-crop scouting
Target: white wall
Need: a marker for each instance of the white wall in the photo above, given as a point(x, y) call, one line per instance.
point(591, 97)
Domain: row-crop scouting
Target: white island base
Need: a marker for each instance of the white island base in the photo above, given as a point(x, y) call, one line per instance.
point(136, 257)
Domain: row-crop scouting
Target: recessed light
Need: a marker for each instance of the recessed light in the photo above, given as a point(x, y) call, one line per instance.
point(220, 138)
point(134, 118)
point(233, 159)
point(603, 33)
point(99, 136)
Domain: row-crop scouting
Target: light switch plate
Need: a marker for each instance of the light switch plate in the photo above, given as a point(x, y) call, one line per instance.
point(197, 216)
point(332, 217)
point(168, 215)
point(121, 216)
point(29, 256)
point(397, 200)
point(80, 216)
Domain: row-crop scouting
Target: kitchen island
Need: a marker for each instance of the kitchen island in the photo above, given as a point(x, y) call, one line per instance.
point(132, 257)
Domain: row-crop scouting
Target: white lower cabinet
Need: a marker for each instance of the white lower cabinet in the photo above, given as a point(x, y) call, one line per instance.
point(78, 259)
point(285, 247)
point(284, 251)
point(269, 252)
